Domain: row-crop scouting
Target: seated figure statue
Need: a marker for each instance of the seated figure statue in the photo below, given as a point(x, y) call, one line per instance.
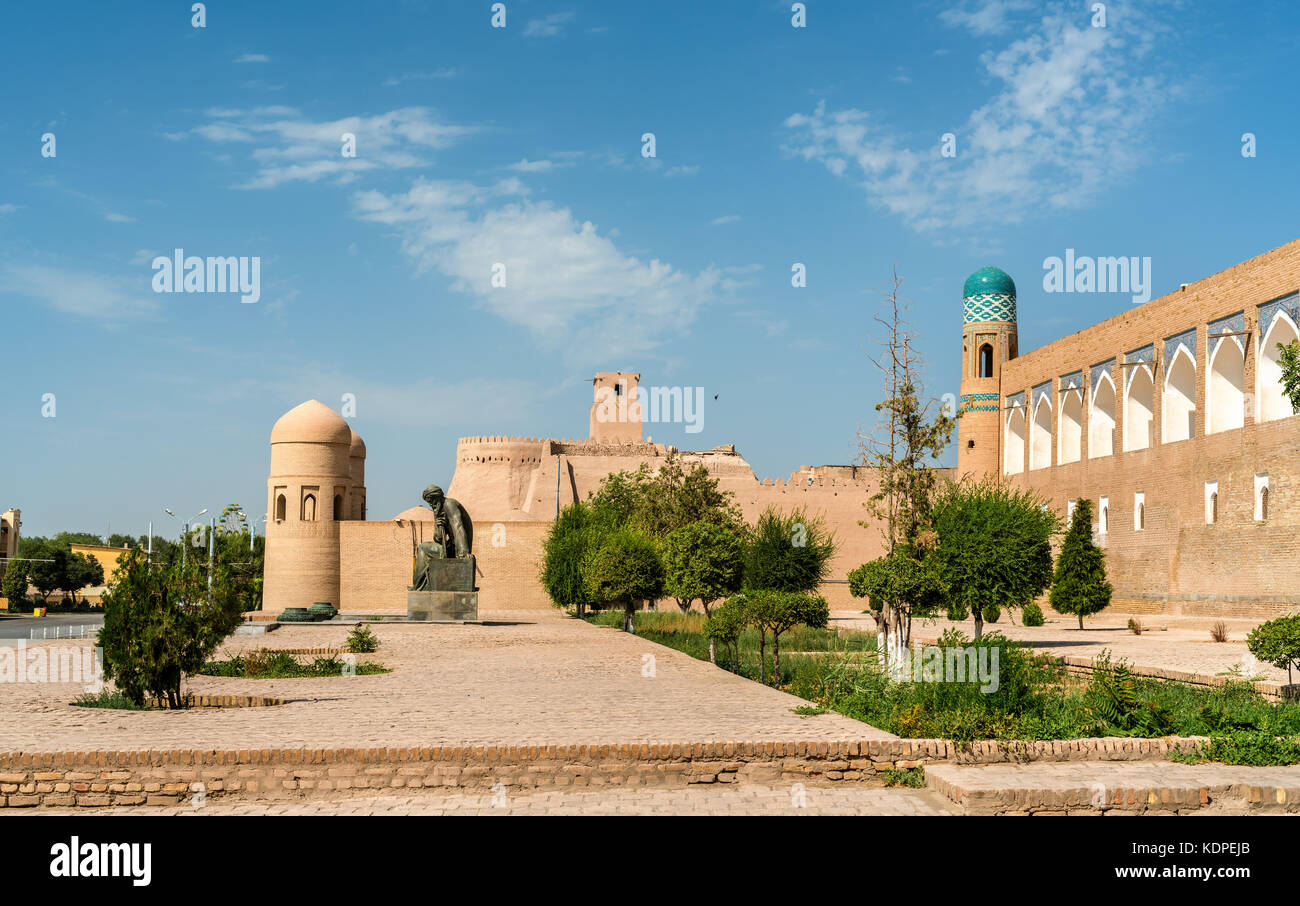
point(453, 537)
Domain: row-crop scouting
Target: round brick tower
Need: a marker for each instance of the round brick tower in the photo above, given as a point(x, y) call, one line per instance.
point(988, 340)
point(317, 470)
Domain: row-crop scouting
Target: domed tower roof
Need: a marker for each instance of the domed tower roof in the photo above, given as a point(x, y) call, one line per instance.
point(358, 445)
point(989, 295)
point(311, 423)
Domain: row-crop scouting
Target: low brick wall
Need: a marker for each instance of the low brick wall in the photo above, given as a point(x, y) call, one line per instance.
point(157, 777)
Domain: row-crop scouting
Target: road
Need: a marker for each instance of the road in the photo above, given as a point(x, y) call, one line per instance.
point(57, 625)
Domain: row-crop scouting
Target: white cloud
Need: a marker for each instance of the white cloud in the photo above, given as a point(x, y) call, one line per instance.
point(8, 208)
point(287, 147)
point(252, 58)
point(536, 166)
point(726, 218)
point(985, 17)
point(547, 26)
point(118, 218)
point(565, 281)
point(682, 170)
point(1064, 125)
point(445, 73)
point(88, 295)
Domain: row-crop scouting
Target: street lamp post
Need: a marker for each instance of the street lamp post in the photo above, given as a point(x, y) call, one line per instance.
point(185, 532)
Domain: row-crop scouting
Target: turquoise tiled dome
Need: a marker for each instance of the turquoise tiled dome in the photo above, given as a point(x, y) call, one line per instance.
point(989, 295)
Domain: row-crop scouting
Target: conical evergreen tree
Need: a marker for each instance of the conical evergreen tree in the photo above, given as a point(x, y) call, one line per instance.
point(1079, 584)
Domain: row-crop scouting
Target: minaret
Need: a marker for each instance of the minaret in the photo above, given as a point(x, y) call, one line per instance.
point(988, 341)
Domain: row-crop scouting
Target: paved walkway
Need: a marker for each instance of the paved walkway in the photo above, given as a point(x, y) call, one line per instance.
point(695, 800)
point(1086, 787)
point(534, 678)
point(1171, 642)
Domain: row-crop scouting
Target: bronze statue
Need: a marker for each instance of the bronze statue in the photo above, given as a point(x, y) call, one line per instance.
point(453, 537)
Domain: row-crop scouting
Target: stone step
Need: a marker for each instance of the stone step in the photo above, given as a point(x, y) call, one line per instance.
point(1126, 788)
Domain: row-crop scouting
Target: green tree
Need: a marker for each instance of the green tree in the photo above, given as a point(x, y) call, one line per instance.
point(675, 495)
point(566, 552)
point(774, 611)
point(915, 586)
point(15, 584)
point(80, 571)
point(1079, 585)
point(703, 562)
point(161, 625)
point(625, 569)
point(46, 565)
point(724, 625)
point(994, 546)
point(1277, 642)
point(788, 552)
point(1289, 361)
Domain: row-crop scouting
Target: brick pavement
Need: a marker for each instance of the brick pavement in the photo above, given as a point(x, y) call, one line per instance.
point(1093, 788)
point(749, 799)
point(529, 679)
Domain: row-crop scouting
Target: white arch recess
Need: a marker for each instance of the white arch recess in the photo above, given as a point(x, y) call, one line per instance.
point(1179, 397)
point(1273, 402)
point(1225, 393)
point(1101, 421)
point(1139, 396)
point(1040, 435)
point(1070, 433)
point(1015, 442)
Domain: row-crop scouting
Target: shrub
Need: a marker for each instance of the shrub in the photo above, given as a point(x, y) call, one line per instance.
point(1219, 632)
point(1277, 642)
point(361, 640)
point(160, 625)
point(1032, 615)
point(1135, 626)
point(1079, 585)
point(992, 613)
point(625, 569)
point(788, 552)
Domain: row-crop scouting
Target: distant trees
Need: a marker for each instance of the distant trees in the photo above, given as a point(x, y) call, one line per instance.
point(634, 514)
point(1079, 585)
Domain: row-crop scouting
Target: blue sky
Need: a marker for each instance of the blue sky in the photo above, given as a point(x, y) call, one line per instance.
point(523, 145)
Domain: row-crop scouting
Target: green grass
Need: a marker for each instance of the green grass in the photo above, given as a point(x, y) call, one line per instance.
point(281, 665)
point(1035, 698)
point(114, 700)
point(911, 777)
point(801, 648)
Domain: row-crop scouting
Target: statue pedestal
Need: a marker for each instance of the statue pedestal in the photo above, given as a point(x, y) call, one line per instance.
point(452, 606)
point(452, 597)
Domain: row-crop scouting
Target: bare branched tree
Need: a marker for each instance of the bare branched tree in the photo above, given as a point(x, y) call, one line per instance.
point(910, 434)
